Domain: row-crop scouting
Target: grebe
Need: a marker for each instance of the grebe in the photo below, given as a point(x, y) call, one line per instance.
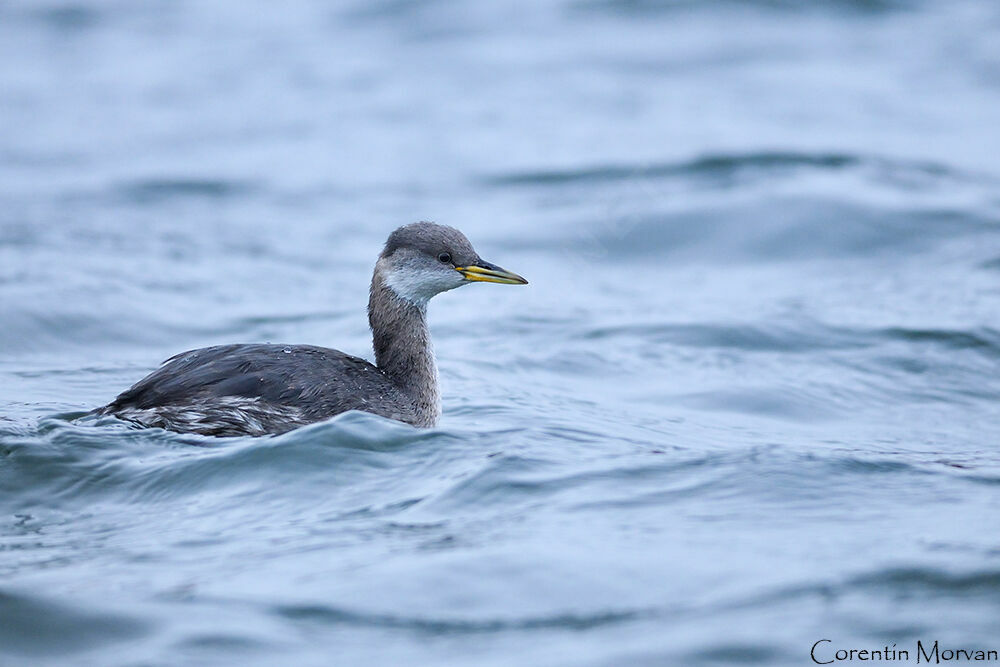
point(260, 389)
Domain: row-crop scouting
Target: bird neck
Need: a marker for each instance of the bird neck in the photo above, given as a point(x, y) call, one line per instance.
point(403, 348)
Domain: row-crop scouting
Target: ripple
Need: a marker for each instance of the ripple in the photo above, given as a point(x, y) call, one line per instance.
point(328, 615)
point(801, 336)
point(724, 167)
point(510, 482)
point(753, 387)
point(653, 8)
point(710, 165)
point(107, 459)
point(984, 340)
point(786, 228)
point(798, 336)
point(931, 582)
point(763, 401)
point(69, 17)
point(30, 625)
point(156, 190)
point(731, 653)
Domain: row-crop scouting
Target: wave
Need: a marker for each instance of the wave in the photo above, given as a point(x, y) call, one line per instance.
point(724, 167)
point(798, 336)
point(918, 582)
point(797, 369)
point(710, 165)
point(515, 484)
point(33, 626)
point(38, 328)
point(68, 460)
point(155, 190)
point(783, 229)
point(777, 205)
point(929, 581)
point(651, 8)
point(153, 328)
point(74, 457)
point(329, 615)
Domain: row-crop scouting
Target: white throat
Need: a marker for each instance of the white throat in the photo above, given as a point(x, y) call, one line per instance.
point(418, 286)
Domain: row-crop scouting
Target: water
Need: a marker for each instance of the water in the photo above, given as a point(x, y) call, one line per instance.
point(749, 401)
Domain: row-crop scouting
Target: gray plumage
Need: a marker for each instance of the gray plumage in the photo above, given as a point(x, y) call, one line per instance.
point(258, 389)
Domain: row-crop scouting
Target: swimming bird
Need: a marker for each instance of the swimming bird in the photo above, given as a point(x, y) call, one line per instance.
point(259, 389)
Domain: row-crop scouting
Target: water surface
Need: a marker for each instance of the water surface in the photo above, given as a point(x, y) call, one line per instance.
point(749, 401)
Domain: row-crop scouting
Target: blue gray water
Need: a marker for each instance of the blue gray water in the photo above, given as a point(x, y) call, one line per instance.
point(749, 401)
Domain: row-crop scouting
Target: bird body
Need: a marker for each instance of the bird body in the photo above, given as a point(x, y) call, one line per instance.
point(259, 389)
point(255, 389)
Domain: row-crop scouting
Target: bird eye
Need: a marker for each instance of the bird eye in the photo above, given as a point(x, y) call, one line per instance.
point(444, 258)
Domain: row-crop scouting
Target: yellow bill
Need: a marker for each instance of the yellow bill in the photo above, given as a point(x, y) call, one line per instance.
point(490, 273)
